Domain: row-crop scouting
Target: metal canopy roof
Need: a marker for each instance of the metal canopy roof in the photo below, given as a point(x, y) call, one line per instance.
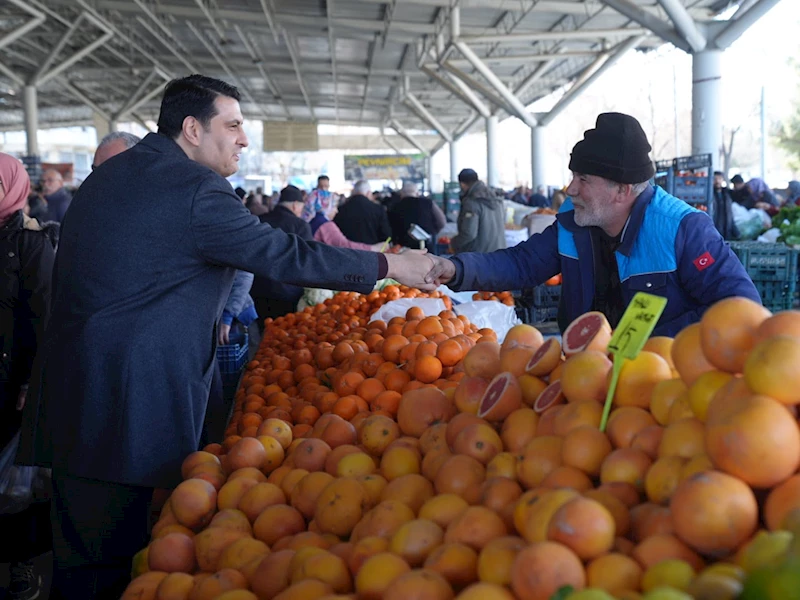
point(399, 63)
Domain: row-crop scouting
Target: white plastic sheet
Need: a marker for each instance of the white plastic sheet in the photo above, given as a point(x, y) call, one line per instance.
point(492, 314)
point(399, 308)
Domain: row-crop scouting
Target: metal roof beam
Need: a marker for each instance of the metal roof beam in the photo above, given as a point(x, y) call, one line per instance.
point(11, 75)
point(469, 82)
point(684, 23)
point(121, 35)
point(207, 45)
point(735, 28)
point(402, 132)
point(42, 77)
point(258, 62)
point(265, 8)
point(332, 47)
point(80, 95)
point(136, 96)
point(650, 22)
point(600, 66)
point(561, 7)
point(296, 64)
point(37, 18)
point(535, 76)
point(210, 18)
point(465, 94)
point(512, 59)
point(517, 108)
point(423, 113)
point(538, 36)
point(171, 43)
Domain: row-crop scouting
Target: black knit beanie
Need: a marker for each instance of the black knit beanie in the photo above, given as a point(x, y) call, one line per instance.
point(291, 194)
point(616, 149)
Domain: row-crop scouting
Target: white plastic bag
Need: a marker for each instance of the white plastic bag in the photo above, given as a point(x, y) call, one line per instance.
point(492, 314)
point(16, 482)
point(399, 308)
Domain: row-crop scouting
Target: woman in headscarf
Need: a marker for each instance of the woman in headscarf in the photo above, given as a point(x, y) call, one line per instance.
point(793, 193)
point(26, 264)
point(320, 209)
point(761, 192)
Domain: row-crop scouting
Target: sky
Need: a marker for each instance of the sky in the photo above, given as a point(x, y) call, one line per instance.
point(648, 86)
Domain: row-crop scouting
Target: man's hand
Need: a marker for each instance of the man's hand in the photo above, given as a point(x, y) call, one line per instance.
point(443, 271)
point(23, 393)
point(411, 268)
point(223, 334)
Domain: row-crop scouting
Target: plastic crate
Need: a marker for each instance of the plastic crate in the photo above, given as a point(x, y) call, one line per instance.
point(546, 296)
point(777, 295)
point(767, 262)
point(539, 304)
point(692, 163)
point(231, 357)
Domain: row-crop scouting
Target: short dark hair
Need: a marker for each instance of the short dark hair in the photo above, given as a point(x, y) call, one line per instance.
point(467, 176)
point(720, 173)
point(323, 178)
point(737, 179)
point(191, 96)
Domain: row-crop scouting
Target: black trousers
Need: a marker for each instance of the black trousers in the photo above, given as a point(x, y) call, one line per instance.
point(97, 528)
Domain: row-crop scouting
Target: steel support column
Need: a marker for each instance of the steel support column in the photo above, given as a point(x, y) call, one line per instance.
point(492, 173)
point(707, 103)
point(538, 157)
point(31, 111)
point(453, 160)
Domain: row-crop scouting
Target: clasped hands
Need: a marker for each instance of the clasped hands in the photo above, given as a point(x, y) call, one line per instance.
point(417, 268)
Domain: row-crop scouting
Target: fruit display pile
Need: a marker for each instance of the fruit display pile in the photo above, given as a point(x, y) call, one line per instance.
point(504, 297)
point(420, 459)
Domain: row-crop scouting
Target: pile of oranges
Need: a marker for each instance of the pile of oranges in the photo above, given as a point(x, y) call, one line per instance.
point(505, 297)
point(402, 491)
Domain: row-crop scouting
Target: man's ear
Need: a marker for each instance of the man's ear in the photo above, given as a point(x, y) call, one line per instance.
point(191, 130)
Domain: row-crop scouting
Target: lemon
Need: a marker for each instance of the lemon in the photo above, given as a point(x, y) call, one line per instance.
point(766, 548)
point(590, 594)
point(715, 586)
point(666, 593)
point(726, 570)
point(668, 573)
point(774, 582)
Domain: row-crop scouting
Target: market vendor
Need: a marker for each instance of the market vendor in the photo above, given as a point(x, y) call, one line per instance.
point(615, 236)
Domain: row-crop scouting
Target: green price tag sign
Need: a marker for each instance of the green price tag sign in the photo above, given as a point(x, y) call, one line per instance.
point(629, 338)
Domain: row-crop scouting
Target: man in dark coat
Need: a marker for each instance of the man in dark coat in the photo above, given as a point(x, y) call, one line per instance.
point(273, 298)
point(55, 194)
point(413, 210)
point(481, 220)
point(361, 219)
point(147, 256)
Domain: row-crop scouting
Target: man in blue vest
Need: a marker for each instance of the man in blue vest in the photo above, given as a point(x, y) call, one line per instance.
point(616, 235)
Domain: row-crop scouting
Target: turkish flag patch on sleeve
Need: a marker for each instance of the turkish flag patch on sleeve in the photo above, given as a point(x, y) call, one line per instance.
point(703, 261)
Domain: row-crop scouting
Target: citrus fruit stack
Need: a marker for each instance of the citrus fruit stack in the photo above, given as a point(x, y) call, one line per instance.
point(504, 297)
point(487, 476)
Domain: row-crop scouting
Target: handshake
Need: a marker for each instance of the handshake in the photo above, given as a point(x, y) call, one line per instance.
point(418, 269)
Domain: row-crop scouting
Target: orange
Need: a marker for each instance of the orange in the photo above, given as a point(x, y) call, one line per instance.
point(766, 450)
point(703, 390)
point(541, 569)
point(638, 377)
point(687, 354)
point(714, 512)
point(585, 448)
point(728, 332)
point(771, 369)
point(584, 376)
point(428, 369)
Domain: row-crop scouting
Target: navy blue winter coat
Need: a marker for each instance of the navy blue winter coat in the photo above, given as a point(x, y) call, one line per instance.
point(148, 252)
point(668, 249)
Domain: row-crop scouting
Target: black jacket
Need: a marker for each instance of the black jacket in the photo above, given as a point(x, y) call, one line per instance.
point(419, 211)
point(148, 252)
point(265, 288)
point(361, 220)
point(26, 266)
point(57, 204)
point(723, 214)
